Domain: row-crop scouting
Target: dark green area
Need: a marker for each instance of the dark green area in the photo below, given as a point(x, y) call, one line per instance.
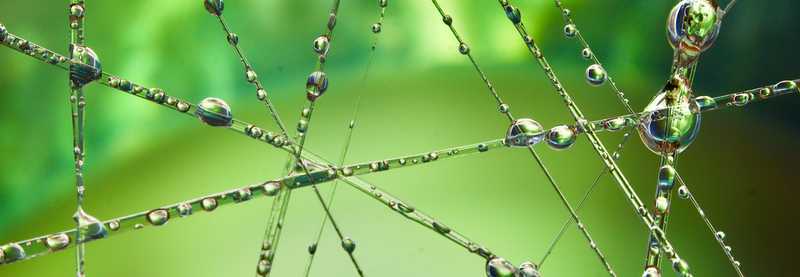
point(421, 95)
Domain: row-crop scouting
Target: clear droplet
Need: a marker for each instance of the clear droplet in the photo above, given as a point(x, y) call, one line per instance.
point(12, 252)
point(680, 265)
point(57, 242)
point(524, 132)
point(316, 85)
point(596, 75)
point(264, 267)
point(348, 245)
point(376, 28)
point(693, 25)
point(666, 177)
point(215, 7)
point(251, 75)
point(586, 53)
point(499, 267)
point(158, 217)
point(513, 14)
point(182, 106)
point(214, 112)
point(321, 45)
point(233, 39)
point(209, 204)
point(113, 225)
point(662, 204)
point(463, 48)
point(272, 188)
point(88, 67)
point(184, 209)
point(90, 227)
point(720, 235)
point(570, 30)
point(683, 192)
point(651, 272)
point(312, 248)
point(669, 124)
point(529, 269)
point(561, 137)
point(705, 103)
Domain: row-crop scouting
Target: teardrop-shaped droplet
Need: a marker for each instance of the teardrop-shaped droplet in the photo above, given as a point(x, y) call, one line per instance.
point(570, 30)
point(158, 217)
point(513, 14)
point(214, 112)
point(596, 75)
point(88, 68)
point(666, 177)
point(209, 204)
point(524, 132)
point(90, 227)
point(57, 242)
point(312, 248)
point(376, 28)
point(321, 45)
point(499, 267)
point(11, 253)
point(720, 235)
point(316, 85)
point(348, 245)
point(529, 269)
point(561, 137)
point(215, 7)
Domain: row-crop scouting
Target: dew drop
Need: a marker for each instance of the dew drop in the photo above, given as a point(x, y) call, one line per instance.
point(680, 265)
point(254, 132)
point(586, 53)
point(158, 217)
point(570, 30)
point(662, 204)
point(561, 137)
point(214, 112)
point(182, 107)
point(242, 195)
point(666, 177)
point(596, 75)
point(447, 19)
point(441, 228)
point(742, 99)
point(90, 227)
point(683, 192)
point(57, 242)
point(215, 7)
point(321, 45)
point(524, 132)
point(347, 171)
point(209, 204)
point(463, 48)
point(264, 267)
point(499, 267)
point(348, 245)
point(383, 3)
point(251, 75)
point(720, 235)
point(184, 209)
point(483, 147)
point(11, 253)
point(529, 269)
point(513, 14)
point(705, 103)
point(651, 272)
point(376, 28)
point(233, 39)
point(113, 225)
point(316, 85)
point(88, 67)
point(312, 248)
point(786, 87)
point(272, 188)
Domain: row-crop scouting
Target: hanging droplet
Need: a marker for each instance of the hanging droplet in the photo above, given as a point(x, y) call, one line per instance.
point(561, 137)
point(447, 19)
point(87, 69)
point(662, 204)
point(233, 39)
point(158, 217)
point(312, 248)
point(376, 28)
point(57, 242)
point(11, 253)
point(184, 209)
point(680, 265)
point(529, 269)
point(651, 272)
point(463, 48)
point(693, 25)
point(214, 112)
point(669, 124)
point(666, 177)
point(348, 245)
point(209, 204)
point(316, 85)
point(251, 75)
point(586, 53)
point(321, 45)
point(524, 132)
point(513, 14)
point(272, 188)
point(720, 235)
point(683, 192)
point(214, 7)
point(570, 30)
point(499, 267)
point(90, 227)
point(596, 75)
point(383, 3)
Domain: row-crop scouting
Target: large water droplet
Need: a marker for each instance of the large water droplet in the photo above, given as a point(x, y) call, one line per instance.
point(524, 132)
point(692, 24)
point(513, 14)
point(561, 137)
point(529, 269)
point(57, 242)
point(264, 267)
point(11, 253)
point(662, 204)
point(499, 267)
point(348, 245)
point(214, 112)
point(90, 227)
point(316, 85)
point(215, 7)
point(88, 67)
point(596, 75)
point(666, 177)
point(570, 30)
point(158, 217)
point(669, 127)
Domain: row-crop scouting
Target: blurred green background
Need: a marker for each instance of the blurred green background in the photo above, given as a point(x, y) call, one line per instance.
point(421, 95)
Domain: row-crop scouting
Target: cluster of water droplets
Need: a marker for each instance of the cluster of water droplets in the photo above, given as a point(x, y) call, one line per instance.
point(526, 132)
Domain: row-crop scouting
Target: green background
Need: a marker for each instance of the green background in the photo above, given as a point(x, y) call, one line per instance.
point(421, 95)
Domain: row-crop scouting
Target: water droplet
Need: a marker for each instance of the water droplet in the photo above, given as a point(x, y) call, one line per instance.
point(463, 48)
point(570, 30)
point(705, 103)
point(251, 75)
point(742, 99)
point(596, 75)
point(214, 112)
point(184, 209)
point(529, 269)
point(513, 14)
point(586, 53)
point(3, 32)
point(321, 45)
point(254, 132)
point(720, 235)
point(182, 106)
point(242, 195)
point(215, 7)
point(57, 242)
point(524, 132)
point(264, 267)
point(504, 108)
point(666, 177)
point(347, 171)
point(312, 248)
point(404, 208)
point(158, 217)
point(348, 245)
point(376, 28)
point(669, 124)
point(441, 228)
point(727, 248)
point(693, 25)
point(483, 147)
point(90, 227)
point(662, 204)
point(209, 204)
point(499, 267)
point(683, 192)
point(272, 188)
point(233, 39)
point(384, 3)
point(87, 69)
point(680, 265)
point(316, 85)
point(651, 272)
point(11, 253)
point(447, 19)
point(114, 225)
point(76, 10)
point(261, 94)
point(786, 87)
point(561, 137)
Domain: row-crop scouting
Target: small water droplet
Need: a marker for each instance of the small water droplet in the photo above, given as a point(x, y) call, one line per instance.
point(215, 7)
point(651, 272)
point(209, 204)
point(347, 171)
point(272, 188)
point(233, 39)
point(184, 209)
point(561, 137)
point(683, 192)
point(662, 204)
point(312, 248)
point(586, 53)
point(666, 177)
point(720, 235)
point(680, 265)
point(57, 242)
point(596, 75)
point(463, 48)
point(570, 30)
point(348, 245)
point(87, 69)
point(499, 267)
point(214, 112)
point(447, 19)
point(316, 85)
point(513, 14)
point(182, 106)
point(11, 253)
point(254, 132)
point(158, 217)
point(321, 45)
point(376, 28)
point(113, 225)
point(384, 3)
point(441, 228)
point(529, 269)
